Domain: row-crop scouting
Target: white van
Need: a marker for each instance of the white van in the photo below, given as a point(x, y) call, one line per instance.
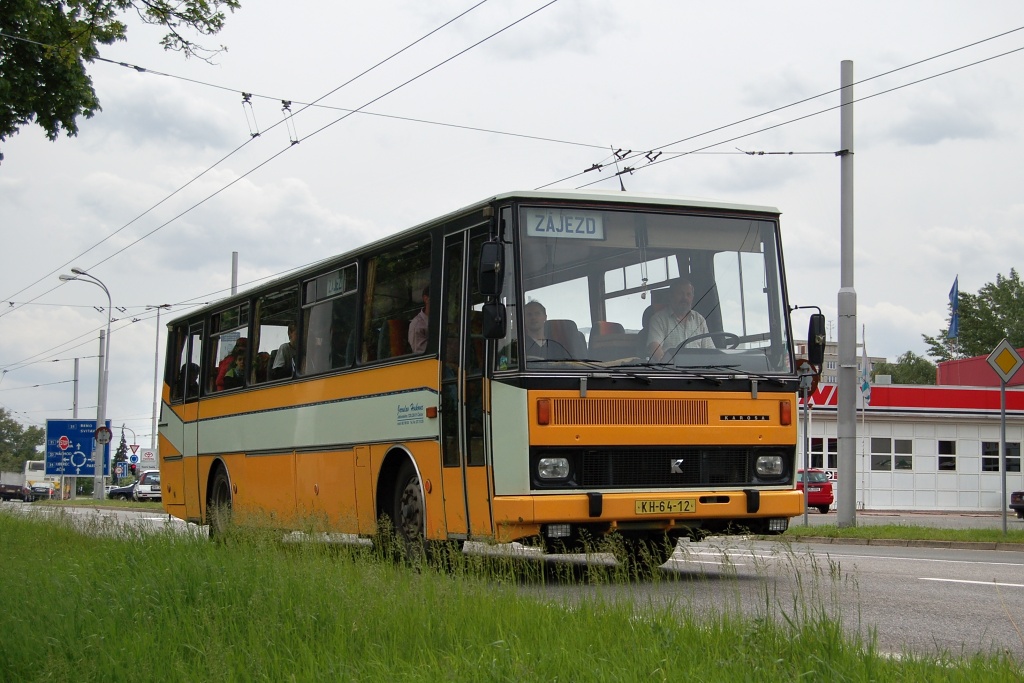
point(148, 486)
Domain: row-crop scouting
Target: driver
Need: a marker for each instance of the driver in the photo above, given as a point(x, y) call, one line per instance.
point(676, 323)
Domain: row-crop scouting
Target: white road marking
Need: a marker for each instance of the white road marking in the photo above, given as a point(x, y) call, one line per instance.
point(977, 583)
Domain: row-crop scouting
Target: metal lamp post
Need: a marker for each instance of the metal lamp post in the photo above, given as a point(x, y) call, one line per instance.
point(101, 409)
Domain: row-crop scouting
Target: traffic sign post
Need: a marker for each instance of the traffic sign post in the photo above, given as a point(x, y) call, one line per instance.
point(69, 448)
point(1005, 360)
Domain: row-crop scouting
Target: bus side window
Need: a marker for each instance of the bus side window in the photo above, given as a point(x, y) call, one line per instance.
point(276, 345)
point(177, 362)
point(394, 282)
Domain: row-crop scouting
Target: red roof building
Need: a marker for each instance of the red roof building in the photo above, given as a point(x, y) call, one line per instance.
point(973, 372)
point(925, 447)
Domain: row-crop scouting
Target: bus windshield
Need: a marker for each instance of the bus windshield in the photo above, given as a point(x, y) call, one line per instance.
point(659, 289)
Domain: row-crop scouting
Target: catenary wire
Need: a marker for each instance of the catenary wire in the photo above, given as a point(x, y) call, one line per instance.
point(224, 158)
point(599, 165)
point(801, 118)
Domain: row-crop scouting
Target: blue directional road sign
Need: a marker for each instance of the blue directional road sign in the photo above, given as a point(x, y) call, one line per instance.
point(69, 448)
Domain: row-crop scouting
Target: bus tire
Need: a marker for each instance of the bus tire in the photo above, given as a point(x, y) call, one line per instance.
point(218, 504)
point(409, 512)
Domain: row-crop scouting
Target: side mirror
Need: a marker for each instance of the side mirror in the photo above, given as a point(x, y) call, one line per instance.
point(816, 339)
point(495, 321)
point(491, 269)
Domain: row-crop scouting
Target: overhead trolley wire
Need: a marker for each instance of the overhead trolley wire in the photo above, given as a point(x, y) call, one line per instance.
point(214, 165)
point(600, 165)
point(806, 116)
point(319, 130)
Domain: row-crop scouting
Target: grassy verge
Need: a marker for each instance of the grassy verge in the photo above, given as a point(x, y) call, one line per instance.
point(908, 532)
point(145, 606)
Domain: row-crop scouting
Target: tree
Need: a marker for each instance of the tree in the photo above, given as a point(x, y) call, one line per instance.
point(18, 444)
point(908, 369)
point(986, 318)
point(44, 45)
point(121, 455)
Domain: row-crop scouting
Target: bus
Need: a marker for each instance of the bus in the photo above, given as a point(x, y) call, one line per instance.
point(468, 427)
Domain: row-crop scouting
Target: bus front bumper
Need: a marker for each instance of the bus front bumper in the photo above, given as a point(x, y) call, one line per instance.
point(522, 516)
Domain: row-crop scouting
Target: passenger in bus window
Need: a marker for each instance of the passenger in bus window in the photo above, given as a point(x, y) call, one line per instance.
point(677, 322)
point(418, 326)
point(534, 318)
point(262, 366)
point(235, 376)
point(228, 362)
point(287, 356)
point(189, 380)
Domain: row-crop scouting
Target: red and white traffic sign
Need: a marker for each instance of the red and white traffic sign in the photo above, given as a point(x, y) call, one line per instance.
point(64, 443)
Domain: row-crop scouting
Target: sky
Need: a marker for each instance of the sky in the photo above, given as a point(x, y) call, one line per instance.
point(158, 189)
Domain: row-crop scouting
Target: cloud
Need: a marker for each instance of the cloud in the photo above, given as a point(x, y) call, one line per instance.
point(160, 112)
point(937, 119)
point(579, 28)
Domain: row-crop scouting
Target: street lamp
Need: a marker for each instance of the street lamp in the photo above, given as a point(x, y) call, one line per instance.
point(156, 374)
point(101, 409)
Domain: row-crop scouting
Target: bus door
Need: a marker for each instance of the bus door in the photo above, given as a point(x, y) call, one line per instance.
point(190, 439)
point(464, 448)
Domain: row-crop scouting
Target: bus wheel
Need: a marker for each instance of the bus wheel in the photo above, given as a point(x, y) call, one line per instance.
point(218, 504)
point(409, 512)
point(643, 555)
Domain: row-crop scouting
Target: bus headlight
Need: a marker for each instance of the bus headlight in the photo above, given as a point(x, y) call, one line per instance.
point(553, 468)
point(768, 466)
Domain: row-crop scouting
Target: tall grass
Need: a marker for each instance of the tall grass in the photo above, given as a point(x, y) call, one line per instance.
point(908, 532)
point(146, 606)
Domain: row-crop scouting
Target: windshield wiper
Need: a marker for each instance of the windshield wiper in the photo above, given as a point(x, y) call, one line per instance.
point(755, 375)
point(603, 368)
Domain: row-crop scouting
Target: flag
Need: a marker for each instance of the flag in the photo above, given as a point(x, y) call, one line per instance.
point(954, 305)
point(865, 370)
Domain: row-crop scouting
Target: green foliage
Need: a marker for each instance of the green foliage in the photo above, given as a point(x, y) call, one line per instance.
point(986, 318)
point(121, 454)
point(18, 444)
point(42, 65)
point(908, 369)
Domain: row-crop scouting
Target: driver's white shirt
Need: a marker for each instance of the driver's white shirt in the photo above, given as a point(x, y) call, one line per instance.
point(669, 331)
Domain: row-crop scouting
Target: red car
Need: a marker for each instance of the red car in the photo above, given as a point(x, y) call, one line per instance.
point(1017, 503)
point(819, 490)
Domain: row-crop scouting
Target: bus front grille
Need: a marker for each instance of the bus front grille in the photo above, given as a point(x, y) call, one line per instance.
point(640, 412)
point(668, 468)
point(660, 467)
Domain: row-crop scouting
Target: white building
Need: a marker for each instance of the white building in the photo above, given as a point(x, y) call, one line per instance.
point(924, 447)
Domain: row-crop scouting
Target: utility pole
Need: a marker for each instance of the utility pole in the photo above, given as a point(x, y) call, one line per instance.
point(847, 409)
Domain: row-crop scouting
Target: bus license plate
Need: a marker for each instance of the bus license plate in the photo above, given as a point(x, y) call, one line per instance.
point(671, 506)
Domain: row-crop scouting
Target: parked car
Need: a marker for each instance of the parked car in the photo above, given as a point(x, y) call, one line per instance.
point(819, 489)
point(122, 492)
point(148, 486)
point(44, 490)
point(1017, 503)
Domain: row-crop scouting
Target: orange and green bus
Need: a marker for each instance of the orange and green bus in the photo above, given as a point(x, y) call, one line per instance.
point(540, 366)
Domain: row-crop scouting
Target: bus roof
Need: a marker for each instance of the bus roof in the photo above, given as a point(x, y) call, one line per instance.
point(618, 196)
point(584, 196)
